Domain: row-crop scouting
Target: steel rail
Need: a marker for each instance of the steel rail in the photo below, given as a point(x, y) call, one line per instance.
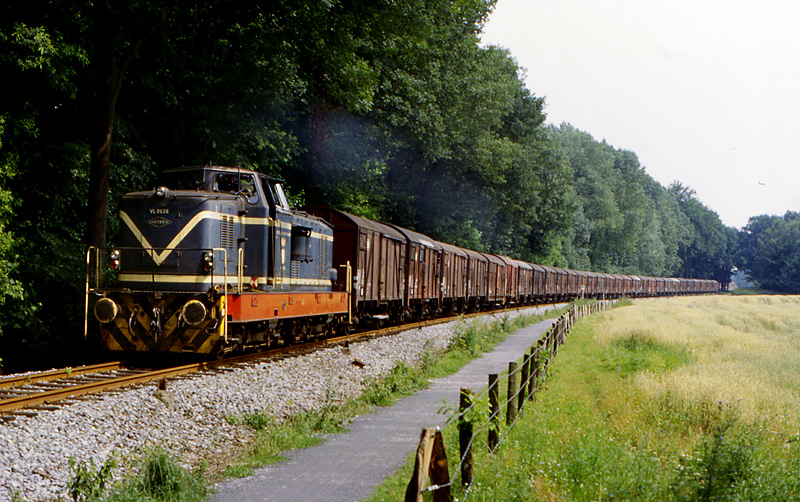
point(46, 376)
point(48, 397)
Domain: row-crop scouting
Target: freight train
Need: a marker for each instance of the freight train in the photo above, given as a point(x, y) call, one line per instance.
point(214, 260)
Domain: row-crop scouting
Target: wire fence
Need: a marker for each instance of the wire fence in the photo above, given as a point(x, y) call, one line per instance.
point(522, 381)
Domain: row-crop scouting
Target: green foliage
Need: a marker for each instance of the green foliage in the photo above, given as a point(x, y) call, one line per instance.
point(368, 107)
point(625, 222)
point(769, 251)
point(161, 479)
point(401, 380)
point(640, 352)
point(87, 482)
point(258, 420)
point(718, 469)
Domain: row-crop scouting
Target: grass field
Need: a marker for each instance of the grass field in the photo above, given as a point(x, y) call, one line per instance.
point(679, 399)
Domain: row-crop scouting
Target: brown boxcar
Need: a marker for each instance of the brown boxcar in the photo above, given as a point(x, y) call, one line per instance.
point(477, 279)
point(454, 278)
point(539, 275)
point(562, 283)
point(377, 255)
point(525, 283)
point(496, 279)
point(551, 286)
point(636, 286)
point(423, 256)
point(512, 279)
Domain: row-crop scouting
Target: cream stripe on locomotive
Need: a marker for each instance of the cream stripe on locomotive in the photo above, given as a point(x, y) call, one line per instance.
point(208, 279)
point(252, 220)
point(158, 258)
point(174, 278)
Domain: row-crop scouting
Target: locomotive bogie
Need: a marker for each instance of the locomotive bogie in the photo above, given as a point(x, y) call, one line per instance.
point(173, 322)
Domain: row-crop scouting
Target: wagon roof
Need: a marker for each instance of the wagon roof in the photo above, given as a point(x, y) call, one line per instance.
point(494, 258)
point(509, 261)
point(524, 264)
point(453, 249)
point(357, 221)
point(474, 255)
point(418, 238)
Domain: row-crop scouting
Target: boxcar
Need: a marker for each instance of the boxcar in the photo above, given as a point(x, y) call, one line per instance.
point(377, 255)
point(525, 283)
point(496, 279)
point(421, 273)
point(454, 278)
point(477, 279)
point(512, 280)
point(538, 288)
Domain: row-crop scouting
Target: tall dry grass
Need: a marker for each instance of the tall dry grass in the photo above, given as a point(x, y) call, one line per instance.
point(744, 352)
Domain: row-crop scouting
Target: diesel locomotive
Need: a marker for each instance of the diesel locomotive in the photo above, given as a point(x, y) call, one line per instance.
point(215, 260)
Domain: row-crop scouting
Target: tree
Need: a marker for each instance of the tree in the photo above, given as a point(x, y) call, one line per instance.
point(115, 33)
point(769, 251)
point(710, 254)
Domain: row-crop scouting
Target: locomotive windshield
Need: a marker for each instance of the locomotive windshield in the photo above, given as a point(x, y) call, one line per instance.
point(199, 179)
point(183, 180)
point(239, 184)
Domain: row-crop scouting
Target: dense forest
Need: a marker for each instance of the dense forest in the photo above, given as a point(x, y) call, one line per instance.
point(389, 110)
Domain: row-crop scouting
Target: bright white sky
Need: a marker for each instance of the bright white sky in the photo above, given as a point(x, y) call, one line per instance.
point(706, 92)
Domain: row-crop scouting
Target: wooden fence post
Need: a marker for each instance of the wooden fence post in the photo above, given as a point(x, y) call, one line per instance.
point(511, 407)
point(431, 461)
point(523, 383)
point(494, 405)
point(544, 345)
point(465, 438)
point(554, 338)
point(533, 372)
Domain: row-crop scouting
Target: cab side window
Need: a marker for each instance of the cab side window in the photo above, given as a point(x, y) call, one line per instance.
point(274, 192)
point(239, 184)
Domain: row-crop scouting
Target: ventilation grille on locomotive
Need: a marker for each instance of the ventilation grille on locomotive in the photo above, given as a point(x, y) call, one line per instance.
point(226, 231)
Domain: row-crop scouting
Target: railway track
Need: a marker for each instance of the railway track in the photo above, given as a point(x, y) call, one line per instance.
point(26, 395)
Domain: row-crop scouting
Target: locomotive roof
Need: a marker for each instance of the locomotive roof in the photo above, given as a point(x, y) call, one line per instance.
point(225, 169)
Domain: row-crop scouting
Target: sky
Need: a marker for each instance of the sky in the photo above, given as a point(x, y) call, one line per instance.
point(704, 92)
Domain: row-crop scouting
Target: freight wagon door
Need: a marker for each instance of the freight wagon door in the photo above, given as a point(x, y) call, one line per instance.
point(365, 266)
point(384, 279)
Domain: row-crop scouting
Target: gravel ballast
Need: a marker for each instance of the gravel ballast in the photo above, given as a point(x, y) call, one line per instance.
point(190, 420)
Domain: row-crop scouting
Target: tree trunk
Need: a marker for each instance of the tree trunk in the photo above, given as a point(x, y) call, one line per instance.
point(100, 164)
point(108, 83)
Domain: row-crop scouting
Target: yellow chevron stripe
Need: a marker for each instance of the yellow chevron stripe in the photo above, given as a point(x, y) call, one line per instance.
point(159, 258)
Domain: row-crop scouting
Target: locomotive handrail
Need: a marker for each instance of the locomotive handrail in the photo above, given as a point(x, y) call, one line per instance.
point(239, 272)
point(86, 305)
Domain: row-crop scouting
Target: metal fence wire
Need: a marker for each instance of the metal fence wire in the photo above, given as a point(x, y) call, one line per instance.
point(531, 374)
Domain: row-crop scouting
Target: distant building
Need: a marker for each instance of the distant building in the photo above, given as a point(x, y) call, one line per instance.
point(740, 280)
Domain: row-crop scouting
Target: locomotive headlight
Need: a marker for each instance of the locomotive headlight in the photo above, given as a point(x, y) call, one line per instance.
point(114, 260)
point(208, 261)
point(194, 312)
point(105, 310)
